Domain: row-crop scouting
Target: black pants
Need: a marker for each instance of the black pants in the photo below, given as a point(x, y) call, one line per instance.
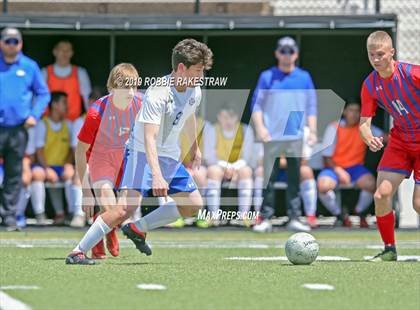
point(12, 149)
point(293, 152)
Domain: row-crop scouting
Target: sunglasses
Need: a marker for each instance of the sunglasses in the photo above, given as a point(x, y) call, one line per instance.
point(11, 41)
point(286, 51)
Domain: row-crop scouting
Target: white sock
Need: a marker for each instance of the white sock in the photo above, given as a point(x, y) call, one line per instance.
point(365, 199)
point(245, 195)
point(308, 193)
point(56, 196)
point(213, 195)
point(95, 233)
point(76, 192)
point(258, 193)
point(69, 195)
point(330, 202)
point(167, 213)
point(37, 190)
point(23, 200)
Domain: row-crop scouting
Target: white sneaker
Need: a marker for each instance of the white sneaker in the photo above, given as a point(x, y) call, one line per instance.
point(298, 226)
point(78, 221)
point(264, 226)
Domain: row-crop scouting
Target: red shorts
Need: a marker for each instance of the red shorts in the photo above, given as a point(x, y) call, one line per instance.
point(105, 166)
point(400, 158)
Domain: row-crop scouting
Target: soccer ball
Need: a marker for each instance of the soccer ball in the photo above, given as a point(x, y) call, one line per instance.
point(302, 249)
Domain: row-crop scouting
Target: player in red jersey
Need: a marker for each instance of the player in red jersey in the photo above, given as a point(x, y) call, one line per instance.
point(101, 146)
point(395, 87)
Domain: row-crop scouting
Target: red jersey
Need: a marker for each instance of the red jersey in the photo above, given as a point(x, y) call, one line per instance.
point(399, 95)
point(106, 127)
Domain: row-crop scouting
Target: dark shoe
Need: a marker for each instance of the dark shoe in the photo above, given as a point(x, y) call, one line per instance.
point(79, 258)
point(138, 238)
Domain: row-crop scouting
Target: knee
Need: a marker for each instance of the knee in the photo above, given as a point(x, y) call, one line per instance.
point(324, 185)
point(383, 193)
point(259, 171)
point(120, 214)
point(368, 184)
point(68, 173)
point(245, 173)
point(306, 173)
point(215, 172)
point(38, 174)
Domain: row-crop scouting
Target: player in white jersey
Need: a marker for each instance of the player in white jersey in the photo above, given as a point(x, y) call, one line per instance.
point(152, 165)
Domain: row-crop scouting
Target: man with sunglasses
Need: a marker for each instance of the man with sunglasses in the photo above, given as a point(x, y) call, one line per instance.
point(284, 102)
point(24, 96)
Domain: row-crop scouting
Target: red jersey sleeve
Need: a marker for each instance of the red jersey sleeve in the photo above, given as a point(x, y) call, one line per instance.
point(369, 104)
point(415, 75)
point(90, 127)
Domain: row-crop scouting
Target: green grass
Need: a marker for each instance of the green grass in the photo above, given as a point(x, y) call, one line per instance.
point(200, 277)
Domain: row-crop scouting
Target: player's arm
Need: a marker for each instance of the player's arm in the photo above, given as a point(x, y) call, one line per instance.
point(374, 143)
point(191, 130)
point(369, 107)
point(160, 186)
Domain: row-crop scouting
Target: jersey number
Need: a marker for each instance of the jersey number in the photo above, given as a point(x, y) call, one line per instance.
point(399, 106)
point(177, 118)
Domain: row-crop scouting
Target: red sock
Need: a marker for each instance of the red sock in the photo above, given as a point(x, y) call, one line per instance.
point(386, 228)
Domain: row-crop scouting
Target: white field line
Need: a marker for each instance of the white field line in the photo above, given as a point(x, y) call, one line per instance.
point(284, 258)
point(19, 287)
point(155, 287)
point(318, 286)
point(9, 303)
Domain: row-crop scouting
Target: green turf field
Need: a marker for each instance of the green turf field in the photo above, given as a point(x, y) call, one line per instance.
point(193, 266)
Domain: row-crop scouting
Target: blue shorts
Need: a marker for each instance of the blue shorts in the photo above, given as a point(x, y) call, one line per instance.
point(58, 169)
point(356, 172)
point(137, 175)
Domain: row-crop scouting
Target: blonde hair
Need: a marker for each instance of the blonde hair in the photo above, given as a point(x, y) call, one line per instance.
point(123, 75)
point(379, 38)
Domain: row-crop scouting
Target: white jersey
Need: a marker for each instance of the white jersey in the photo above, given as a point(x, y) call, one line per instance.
point(164, 106)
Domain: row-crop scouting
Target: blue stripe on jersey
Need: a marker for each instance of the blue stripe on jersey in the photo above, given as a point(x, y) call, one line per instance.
point(123, 124)
point(98, 105)
point(382, 104)
point(108, 123)
point(408, 68)
point(403, 101)
point(409, 94)
point(407, 119)
point(397, 113)
point(370, 89)
point(116, 129)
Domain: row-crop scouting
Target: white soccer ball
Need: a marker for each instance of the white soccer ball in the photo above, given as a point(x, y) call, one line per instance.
point(302, 249)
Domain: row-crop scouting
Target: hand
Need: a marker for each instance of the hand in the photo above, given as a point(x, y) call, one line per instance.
point(88, 205)
point(375, 143)
point(30, 122)
point(263, 134)
point(196, 159)
point(159, 186)
point(312, 138)
point(343, 175)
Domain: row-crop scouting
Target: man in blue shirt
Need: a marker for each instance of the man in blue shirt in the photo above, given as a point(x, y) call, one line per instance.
point(24, 97)
point(283, 103)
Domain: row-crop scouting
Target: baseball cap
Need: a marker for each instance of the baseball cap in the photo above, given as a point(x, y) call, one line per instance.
point(287, 42)
point(11, 33)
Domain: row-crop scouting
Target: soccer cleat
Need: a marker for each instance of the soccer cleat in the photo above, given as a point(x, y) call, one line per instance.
point(363, 222)
point(202, 224)
point(347, 222)
point(79, 258)
point(78, 221)
point(387, 255)
point(59, 219)
point(264, 226)
point(312, 221)
point(98, 251)
point(138, 238)
point(112, 243)
point(179, 223)
point(298, 226)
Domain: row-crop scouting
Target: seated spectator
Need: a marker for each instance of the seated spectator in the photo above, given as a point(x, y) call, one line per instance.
point(71, 79)
point(344, 164)
point(53, 158)
point(229, 146)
